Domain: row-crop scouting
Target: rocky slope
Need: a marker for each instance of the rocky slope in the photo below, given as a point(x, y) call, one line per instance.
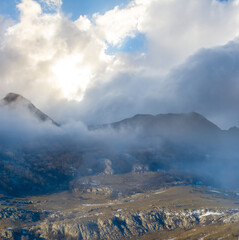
point(133, 224)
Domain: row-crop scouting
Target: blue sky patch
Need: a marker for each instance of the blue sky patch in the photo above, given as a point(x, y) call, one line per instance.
point(73, 8)
point(8, 8)
point(136, 44)
point(89, 7)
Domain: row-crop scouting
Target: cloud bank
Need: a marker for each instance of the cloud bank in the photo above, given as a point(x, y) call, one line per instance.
point(65, 67)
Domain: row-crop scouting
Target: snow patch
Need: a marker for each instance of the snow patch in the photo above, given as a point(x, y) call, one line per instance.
point(214, 191)
point(211, 213)
point(159, 192)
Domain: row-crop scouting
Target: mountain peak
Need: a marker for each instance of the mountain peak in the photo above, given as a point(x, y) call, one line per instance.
point(18, 100)
point(188, 126)
point(13, 97)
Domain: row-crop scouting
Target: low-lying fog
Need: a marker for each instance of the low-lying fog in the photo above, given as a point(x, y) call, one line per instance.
point(38, 155)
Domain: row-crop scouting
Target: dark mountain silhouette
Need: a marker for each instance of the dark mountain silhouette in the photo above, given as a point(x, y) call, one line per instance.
point(171, 126)
point(14, 99)
point(180, 122)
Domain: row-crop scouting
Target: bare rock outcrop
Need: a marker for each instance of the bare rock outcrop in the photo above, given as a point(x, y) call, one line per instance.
point(125, 225)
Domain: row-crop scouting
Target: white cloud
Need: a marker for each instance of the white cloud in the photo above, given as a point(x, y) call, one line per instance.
point(177, 29)
point(46, 56)
point(208, 83)
point(50, 52)
point(117, 24)
point(5, 23)
point(174, 29)
point(29, 10)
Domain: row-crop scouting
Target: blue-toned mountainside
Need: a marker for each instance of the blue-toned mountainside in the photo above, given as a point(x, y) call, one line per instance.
point(43, 161)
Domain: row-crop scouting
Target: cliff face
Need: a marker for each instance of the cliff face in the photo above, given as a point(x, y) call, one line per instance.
point(119, 226)
point(127, 225)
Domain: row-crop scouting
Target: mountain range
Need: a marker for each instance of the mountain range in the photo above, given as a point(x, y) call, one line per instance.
point(185, 142)
point(171, 124)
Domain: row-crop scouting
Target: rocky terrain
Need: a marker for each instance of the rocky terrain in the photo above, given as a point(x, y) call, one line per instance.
point(151, 214)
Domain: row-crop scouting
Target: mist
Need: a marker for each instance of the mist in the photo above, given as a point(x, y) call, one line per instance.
point(43, 156)
point(119, 119)
point(74, 76)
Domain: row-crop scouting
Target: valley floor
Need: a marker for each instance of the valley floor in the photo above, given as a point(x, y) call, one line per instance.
point(112, 207)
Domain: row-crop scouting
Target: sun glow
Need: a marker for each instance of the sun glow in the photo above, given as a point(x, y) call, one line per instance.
point(72, 77)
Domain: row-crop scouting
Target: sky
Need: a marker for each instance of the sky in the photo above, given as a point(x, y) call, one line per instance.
point(102, 61)
point(73, 9)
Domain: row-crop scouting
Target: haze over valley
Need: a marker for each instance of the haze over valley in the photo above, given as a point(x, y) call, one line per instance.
point(119, 119)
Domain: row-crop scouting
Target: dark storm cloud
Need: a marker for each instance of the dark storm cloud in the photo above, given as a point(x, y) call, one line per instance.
point(209, 83)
